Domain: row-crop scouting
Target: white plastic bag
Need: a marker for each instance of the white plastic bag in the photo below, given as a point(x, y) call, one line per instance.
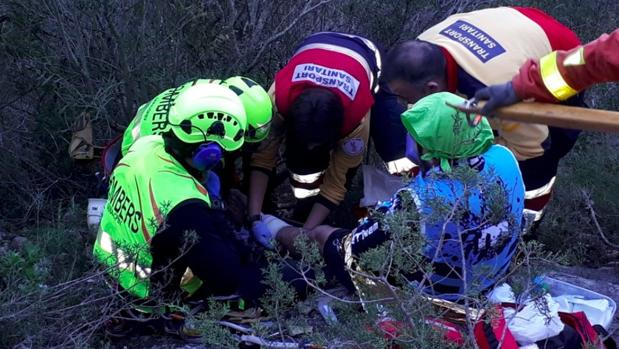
point(530, 346)
point(538, 320)
point(597, 310)
point(502, 294)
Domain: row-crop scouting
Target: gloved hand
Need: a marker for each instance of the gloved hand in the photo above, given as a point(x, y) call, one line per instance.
point(262, 234)
point(265, 230)
point(213, 184)
point(497, 96)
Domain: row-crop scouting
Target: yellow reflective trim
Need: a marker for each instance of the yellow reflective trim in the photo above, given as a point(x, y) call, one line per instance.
point(552, 78)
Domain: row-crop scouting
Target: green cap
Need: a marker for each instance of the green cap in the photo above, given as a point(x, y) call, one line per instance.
point(209, 112)
point(257, 104)
point(444, 132)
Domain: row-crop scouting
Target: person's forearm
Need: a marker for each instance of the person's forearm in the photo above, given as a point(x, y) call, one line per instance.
point(578, 68)
point(318, 214)
point(287, 236)
point(258, 182)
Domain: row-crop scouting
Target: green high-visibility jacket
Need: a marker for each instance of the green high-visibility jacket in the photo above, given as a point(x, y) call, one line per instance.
point(145, 186)
point(152, 117)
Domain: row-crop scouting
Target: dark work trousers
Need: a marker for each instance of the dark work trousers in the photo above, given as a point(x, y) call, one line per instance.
point(202, 239)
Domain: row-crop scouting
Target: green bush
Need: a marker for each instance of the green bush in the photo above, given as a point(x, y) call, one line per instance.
point(60, 59)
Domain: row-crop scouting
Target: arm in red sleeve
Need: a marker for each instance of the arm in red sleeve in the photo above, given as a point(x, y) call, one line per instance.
point(579, 68)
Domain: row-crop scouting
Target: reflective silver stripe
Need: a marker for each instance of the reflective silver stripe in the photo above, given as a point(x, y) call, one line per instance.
point(544, 190)
point(121, 258)
point(105, 242)
point(532, 215)
point(135, 131)
point(379, 62)
point(342, 50)
point(301, 193)
point(187, 276)
point(400, 165)
point(142, 273)
point(308, 178)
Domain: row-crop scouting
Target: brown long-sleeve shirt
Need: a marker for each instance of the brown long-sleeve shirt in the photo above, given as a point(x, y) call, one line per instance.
point(343, 158)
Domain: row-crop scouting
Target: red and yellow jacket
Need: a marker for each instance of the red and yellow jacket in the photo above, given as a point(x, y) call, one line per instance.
point(487, 47)
point(562, 74)
point(348, 66)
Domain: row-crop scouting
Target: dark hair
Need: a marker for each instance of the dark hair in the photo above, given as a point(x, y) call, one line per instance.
point(415, 62)
point(181, 151)
point(315, 117)
point(175, 146)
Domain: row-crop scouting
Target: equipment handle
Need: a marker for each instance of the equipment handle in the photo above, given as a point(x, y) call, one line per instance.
point(554, 115)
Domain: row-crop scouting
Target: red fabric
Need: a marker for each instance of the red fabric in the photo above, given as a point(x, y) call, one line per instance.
point(601, 65)
point(559, 36)
point(451, 69)
point(581, 324)
point(538, 203)
point(494, 334)
point(450, 332)
point(111, 155)
point(286, 90)
point(391, 329)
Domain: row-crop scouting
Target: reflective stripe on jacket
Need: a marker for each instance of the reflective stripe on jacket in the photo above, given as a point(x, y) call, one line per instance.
point(145, 186)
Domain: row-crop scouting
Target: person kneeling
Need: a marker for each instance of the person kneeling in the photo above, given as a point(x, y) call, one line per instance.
point(160, 238)
point(467, 203)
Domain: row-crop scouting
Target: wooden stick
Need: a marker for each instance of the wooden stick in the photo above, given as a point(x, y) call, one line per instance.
point(556, 115)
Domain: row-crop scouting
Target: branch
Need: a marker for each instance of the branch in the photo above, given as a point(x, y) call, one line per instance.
point(589, 204)
point(268, 42)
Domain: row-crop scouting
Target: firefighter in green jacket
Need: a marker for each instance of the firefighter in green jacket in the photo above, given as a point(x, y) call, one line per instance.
point(158, 229)
point(153, 117)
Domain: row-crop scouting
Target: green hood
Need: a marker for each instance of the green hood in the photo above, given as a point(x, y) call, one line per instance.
point(443, 132)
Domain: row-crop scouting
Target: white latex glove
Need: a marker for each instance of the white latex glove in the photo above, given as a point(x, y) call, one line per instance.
point(274, 224)
point(265, 230)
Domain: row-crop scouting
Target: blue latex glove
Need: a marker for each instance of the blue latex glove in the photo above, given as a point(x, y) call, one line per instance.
point(262, 234)
point(213, 184)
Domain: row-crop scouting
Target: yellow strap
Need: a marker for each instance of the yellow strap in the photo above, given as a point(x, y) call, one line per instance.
point(553, 80)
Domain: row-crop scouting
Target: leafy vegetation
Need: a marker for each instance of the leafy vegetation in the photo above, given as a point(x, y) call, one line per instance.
point(63, 58)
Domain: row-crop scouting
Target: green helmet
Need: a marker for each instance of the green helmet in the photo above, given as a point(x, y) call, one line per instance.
point(209, 112)
point(257, 104)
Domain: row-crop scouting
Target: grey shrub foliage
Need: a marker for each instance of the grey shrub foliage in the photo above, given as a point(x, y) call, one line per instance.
point(62, 58)
point(387, 301)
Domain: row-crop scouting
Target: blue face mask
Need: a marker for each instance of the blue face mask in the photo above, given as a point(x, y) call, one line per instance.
point(206, 156)
point(412, 150)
